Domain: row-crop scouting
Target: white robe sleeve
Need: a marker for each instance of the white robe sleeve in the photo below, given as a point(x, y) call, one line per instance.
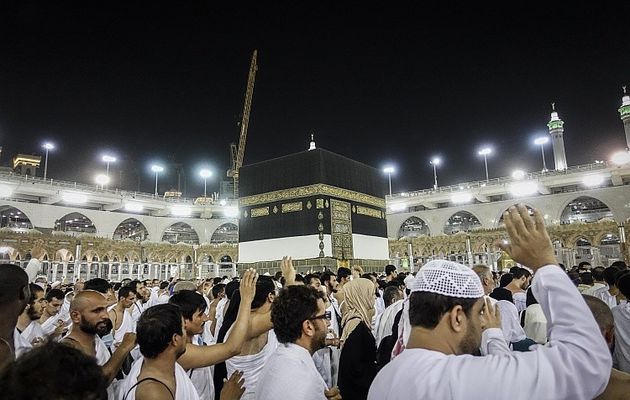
point(575, 364)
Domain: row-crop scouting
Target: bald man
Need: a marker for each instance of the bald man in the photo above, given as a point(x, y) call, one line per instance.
point(14, 295)
point(619, 383)
point(88, 312)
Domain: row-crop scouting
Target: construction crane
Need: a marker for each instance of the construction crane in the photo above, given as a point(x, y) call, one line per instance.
point(237, 153)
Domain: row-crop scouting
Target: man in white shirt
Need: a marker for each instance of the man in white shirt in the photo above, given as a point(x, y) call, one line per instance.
point(27, 323)
point(451, 320)
point(50, 322)
point(300, 323)
point(520, 283)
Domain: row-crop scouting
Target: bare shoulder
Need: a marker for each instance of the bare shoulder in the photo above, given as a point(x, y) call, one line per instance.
point(152, 390)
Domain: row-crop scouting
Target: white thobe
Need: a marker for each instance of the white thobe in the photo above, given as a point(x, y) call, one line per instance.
point(596, 287)
point(520, 301)
point(604, 295)
point(510, 324)
point(219, 316)
point(127, 325)
point(290, 374)
point(184, 388)
point(33, 332)
point(252, 365)
point(50, 325)
point(621, 315)
point(385, 323)
point(20, 344)
point(574, 365)
point(535, 324)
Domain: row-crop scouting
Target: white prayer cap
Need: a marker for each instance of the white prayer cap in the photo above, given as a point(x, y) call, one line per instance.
point(448, 279)
point(408, 280)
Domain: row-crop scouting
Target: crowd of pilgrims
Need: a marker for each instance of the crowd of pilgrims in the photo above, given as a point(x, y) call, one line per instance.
point(449, 331)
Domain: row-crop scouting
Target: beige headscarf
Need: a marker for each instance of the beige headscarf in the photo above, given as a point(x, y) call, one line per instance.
point(359, 305)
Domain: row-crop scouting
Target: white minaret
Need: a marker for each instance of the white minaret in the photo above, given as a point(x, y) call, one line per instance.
point(556, 131)
point(312, 144)
point(624, 113)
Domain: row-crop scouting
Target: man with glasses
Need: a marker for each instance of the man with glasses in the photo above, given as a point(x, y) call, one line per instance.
point(300, 322)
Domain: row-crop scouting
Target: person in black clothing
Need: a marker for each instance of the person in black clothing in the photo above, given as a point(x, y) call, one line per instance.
point(357, 364)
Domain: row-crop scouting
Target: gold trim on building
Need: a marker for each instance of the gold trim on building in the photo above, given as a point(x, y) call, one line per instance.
point(311, 190)
point(291, 207)
point(259, 212)
point(370, 212)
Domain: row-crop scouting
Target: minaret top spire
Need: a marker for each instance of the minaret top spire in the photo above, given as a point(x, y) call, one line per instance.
point(312, 144)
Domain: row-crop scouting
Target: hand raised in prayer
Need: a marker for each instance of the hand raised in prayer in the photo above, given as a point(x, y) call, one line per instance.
point(248, 286)
point(333, 393)
point(288, 271)
point(529, 242)
point(491, 316)
point(233, 388)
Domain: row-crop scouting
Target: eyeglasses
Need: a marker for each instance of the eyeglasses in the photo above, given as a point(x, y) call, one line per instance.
point(325, 315)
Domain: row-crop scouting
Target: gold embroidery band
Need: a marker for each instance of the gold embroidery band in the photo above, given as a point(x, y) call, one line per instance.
point(291, 207)
point(309, 191)
point(370, 212)
point(259, 212)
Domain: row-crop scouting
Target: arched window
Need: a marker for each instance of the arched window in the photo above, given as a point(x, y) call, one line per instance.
point(413, 227)
point(132, 229)
point(461, 221)
point(585, 209)
point(226, 259)
point(75, 222)
point(180, 232)
point(226, 233)
point(12, 217)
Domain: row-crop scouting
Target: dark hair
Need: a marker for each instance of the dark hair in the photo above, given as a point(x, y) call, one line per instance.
point(189, 303)
point(309, 277)
point(216, 289)
point(300, 278)
point(598, 273)
point(529, 297)
point(216, 281)
point(583, 263)
point(294, 305)
point(506, 279)
point(124, 291)
point(277, 275)
point(325, 276)
point(623, 283)
point(514, 269)
point(610, 275)
point(343, 272)
point(426, 309)
point(156, 327)
point(390, 293)
point(521, 272)
point(502, 293)
point(586, 278)
point(54, 294)
point(619, 265)
point(98, 284)
point(34, 290)
point(230, 288)
point(23, 379)
point(389, 268)
point(134, 285)
point(264, 286)
point(163, 285)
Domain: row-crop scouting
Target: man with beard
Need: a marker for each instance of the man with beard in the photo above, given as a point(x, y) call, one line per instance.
point(142, 298)
point(520, 282)
point(88, 312)
point(300, 322)
point(162, 339)
point(449, 320)
point(27, 323)
point(52, 326)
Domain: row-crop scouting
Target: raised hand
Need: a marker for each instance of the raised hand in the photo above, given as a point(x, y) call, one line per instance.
point(491, 315)
point(288, 271)
point(248, 286)
point(529, 242)
point(233, 388)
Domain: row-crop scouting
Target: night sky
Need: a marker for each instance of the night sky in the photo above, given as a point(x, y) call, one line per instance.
point(398, 84)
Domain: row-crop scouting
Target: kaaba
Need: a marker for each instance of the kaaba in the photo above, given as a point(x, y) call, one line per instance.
point(312, 204)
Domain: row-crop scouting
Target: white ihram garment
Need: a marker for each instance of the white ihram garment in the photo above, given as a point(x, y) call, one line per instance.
point(184, 388)
point(252, 365)
point(574, 365)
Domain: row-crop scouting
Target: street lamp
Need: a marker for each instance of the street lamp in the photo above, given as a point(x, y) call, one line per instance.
point(389, 170)
point(108, 159)
point(205, 174)
point(541, 141)
point(435, 162)
point(485, 152)
point(47, 146)
point(102, 180)
point(157, 169)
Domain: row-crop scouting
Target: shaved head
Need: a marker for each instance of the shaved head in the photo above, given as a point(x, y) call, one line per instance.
point(602, 313)
point(86, 299)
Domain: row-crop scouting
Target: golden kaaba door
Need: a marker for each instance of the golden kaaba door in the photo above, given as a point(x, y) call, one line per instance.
point(341, 229)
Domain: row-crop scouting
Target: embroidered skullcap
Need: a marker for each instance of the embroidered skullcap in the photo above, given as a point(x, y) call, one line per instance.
point(448, 279)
